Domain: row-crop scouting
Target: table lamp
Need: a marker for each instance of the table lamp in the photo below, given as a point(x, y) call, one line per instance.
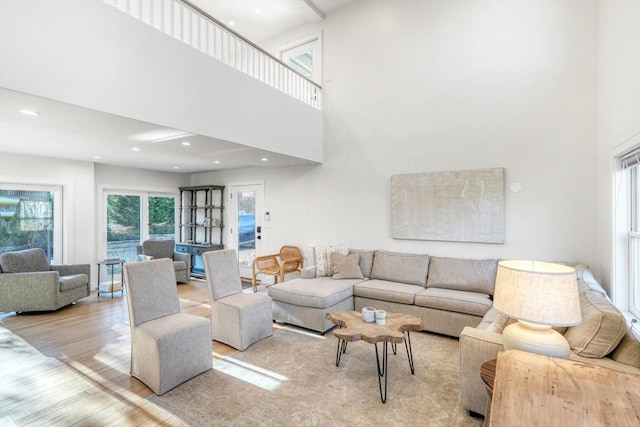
point(539, 295)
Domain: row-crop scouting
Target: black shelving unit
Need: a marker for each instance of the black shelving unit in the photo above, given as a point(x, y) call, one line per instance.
point(201, 223)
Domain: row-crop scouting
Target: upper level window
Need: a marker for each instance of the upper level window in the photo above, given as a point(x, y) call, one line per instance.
point(305, 58)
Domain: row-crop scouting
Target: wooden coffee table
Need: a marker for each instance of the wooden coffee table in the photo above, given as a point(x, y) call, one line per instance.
point(396, 330)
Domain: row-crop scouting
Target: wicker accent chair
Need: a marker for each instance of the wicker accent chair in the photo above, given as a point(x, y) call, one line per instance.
point(289, 260)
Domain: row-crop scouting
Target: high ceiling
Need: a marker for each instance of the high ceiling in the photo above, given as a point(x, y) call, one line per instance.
point(259, 20)
point(66, 131)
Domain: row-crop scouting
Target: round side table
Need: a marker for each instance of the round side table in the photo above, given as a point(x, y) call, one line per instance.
point(488, 375)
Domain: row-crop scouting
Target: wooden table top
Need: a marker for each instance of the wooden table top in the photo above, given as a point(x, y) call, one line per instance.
point(353, 328)
point(535, 390)
point(488, 373)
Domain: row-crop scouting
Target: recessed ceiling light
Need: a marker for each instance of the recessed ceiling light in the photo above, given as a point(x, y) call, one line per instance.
point(217, 162)
point(176, 167)
point(186, 143)
point(97, 157)
point(264, 159)
point(257, 11)
point(29, 112)
point(232, 24)
point(135, 149)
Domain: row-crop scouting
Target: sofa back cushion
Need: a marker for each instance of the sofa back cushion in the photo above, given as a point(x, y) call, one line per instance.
point(402, 268)
point(365, 262)
point(158, 248)
point(26, 261)
point(473, 275)
point(602, 327)
point(628, 351)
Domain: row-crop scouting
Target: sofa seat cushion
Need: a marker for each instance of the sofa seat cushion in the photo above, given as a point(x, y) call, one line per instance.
point(25, 261)
point(73, 281)
point(179, 265)
point(321, 292)
point(402, 268)
point(602, 327)
point(385, 290)
point(473, 275)
point(474, 303)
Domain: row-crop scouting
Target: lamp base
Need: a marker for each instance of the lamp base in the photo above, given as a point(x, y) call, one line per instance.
point(540, 339)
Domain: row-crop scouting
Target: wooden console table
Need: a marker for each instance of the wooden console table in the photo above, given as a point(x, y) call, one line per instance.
point(535, 390)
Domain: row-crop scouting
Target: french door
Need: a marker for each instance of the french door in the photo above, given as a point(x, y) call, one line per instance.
point(245, 223)
point(131, 217)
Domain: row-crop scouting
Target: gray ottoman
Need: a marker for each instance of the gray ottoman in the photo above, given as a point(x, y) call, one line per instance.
point(305, 302)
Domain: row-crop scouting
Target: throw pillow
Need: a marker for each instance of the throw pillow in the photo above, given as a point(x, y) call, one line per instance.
point(346, 266)
point(499, 323)
point(602, 327)
point(323, 261)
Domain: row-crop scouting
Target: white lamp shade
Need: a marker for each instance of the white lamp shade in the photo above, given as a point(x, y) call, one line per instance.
point(538, 292)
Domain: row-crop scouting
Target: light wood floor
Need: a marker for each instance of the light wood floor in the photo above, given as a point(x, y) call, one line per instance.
point(75, 369)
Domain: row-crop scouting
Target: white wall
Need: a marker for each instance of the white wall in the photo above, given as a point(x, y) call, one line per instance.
point(90, 54)
point(76, 179)
point(435, 86)
point(618, 124)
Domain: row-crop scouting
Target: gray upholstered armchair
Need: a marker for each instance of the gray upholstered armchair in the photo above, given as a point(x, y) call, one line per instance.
point(166, 249)
point(29, 283)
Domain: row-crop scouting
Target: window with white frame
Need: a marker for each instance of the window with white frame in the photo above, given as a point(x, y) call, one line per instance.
point(305, 57)
point(31, 217)
point(631, 190)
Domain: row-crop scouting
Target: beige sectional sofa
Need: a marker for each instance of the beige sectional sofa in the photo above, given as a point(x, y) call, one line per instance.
point(447, 293)
point(453, 297)
point(601, 339)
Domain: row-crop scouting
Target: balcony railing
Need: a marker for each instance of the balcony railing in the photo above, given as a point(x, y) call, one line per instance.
point(191, 25)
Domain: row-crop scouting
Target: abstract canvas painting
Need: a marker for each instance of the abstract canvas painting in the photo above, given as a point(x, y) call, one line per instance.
point(458, 206)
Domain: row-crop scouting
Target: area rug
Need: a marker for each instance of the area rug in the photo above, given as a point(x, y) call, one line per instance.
point(290, 379)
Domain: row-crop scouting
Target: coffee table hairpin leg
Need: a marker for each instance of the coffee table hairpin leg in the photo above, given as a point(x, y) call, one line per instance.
point(407, 345)
point(382, 369)
point(342, 348)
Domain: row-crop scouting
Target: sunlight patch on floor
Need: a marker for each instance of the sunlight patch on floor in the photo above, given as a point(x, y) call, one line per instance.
point(252, 374)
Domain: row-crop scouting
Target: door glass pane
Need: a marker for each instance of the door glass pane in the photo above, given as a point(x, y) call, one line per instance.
point(26, 221)
point(162, 217)
point(246, 227)
point(123, 226)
